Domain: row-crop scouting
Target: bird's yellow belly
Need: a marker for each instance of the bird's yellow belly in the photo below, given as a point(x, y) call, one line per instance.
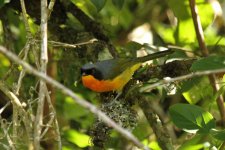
point(115, 84)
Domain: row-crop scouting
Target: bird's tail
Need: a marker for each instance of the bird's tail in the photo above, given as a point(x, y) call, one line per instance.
point(154, 56)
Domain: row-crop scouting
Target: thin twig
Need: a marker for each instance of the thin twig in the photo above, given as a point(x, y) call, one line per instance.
point(66, 45)
point(51, 108)
point(20, 107)
point(26, 49)
point(180, 48)
point(11, 96)
point(36, 55)
point(84, 103)
point(222, 146)
point(43, 69)
point(15, 121)
point(52, 119)
point(4, 107)
point(22, 73)
point(9, 72)
point(5, 146)
point(24, 12)
point(58, 137)
point(48, 124)
point(5, 130)
point(205, 52)
point(180, 78)
point(50, 7)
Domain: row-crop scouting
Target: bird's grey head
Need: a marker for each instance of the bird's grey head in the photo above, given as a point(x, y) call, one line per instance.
point(91, 69)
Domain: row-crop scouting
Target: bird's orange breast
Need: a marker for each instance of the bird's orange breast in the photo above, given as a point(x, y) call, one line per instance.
point(115, 84)
point(100, 85)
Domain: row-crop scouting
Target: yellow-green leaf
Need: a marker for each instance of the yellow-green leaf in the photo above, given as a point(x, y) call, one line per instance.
point(80, 139)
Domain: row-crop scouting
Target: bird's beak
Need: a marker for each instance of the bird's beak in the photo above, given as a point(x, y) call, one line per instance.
point(83, 74)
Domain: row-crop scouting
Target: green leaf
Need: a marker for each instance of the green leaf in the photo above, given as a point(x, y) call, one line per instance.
point(99, 4)
point(194, 143)
point(209, 63)
point(206, 17)
point(191, 118)
point(152, 145)
point(80, 139)
point(218, 134)
point(118, 3)
point(72, 111)
point(165, 32)
point(180, 8)
point(182, 35)
point(197, 89)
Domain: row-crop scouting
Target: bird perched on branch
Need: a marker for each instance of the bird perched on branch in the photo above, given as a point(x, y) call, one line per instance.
point(113, 74)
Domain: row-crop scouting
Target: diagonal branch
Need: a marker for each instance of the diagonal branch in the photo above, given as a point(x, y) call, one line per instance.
point(181, 78)
point(84, 103)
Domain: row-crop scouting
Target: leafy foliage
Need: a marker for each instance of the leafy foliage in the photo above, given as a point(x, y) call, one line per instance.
point(118, 3)
point(209, 63)
point(191, 117)
point(99, 4)
point(197, 89)
point(130, 28)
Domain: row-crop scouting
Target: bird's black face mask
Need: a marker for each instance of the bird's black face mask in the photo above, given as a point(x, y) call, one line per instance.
point(91, 69)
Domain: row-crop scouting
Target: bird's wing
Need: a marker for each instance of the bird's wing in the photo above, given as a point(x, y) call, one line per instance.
point(113, 67)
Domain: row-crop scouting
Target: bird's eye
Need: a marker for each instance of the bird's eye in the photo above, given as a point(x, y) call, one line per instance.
point(93, 71)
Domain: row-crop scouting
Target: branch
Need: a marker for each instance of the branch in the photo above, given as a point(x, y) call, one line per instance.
point(160, 131)
point(50, 7)
point(4, 107)
point(84, 103)
point(53, 119)
point(198, 28)
point(205, 52)
point(66, 45)
point(43, 69)
point(180, 78)
point(25, 50)
point(6, 132)
point(24, 12)
point(222, 146)
point(20, 107)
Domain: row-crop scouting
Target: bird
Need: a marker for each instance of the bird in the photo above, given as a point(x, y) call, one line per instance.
point(113, 74)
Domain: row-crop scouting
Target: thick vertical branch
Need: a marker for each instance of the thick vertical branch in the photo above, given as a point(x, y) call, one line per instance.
point(205, 52)
point(198, 28)
point(161, 133)
point(43, 68)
